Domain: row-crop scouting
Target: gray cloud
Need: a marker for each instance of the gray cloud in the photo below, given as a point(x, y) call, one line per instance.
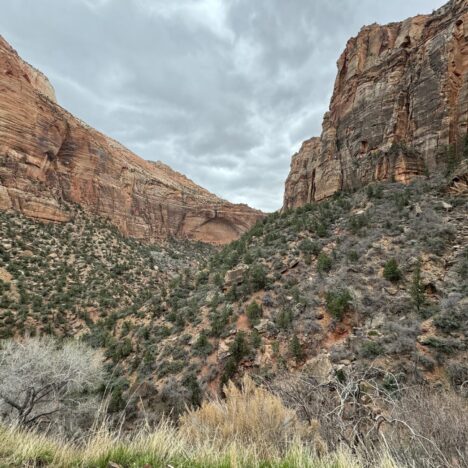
point(221, 90)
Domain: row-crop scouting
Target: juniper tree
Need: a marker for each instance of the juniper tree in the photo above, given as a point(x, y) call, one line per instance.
point(417, 288)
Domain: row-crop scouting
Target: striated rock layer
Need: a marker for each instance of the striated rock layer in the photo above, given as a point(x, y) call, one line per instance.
point(400, 99)
point(48, 157)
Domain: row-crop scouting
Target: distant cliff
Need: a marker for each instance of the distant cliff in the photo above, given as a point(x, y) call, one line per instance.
point(399, 107)
point(47, 157)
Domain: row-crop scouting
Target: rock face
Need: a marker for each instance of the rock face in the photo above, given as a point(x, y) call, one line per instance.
point(48, 157)
point(400, 99)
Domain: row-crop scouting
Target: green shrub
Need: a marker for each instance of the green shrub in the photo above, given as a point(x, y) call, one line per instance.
point(417, 288)
point(391, 271)
point(254, 312)
point(295, 348)
point(401, 199)
point(338, 301)
point(219, 321)
point(352, 256)
point(284, 319)
point(324, 263)
point(255, 339)
point(257, 277)
point(239, 347)
point(374, 191)
point(306, 246)
point(447, 322)
point(202, 346)
point(357, 222)
point(371, 349)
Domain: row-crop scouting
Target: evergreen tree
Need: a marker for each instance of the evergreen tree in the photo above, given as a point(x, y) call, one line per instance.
point(296, 347)
point(391, 271)
point(417, 288)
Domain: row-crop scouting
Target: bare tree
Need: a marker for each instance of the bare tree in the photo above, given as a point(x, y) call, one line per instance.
point(40, 378)
point(418, 425)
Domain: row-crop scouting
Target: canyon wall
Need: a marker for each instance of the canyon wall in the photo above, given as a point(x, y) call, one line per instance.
point(400, 100)
point(48, 157)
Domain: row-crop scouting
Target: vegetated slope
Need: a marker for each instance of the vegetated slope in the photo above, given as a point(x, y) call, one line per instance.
point(328, 289)
point(376, 277)
point(48, 156)
point(85, 279)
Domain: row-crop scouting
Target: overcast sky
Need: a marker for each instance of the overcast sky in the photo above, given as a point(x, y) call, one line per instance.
point(221, 90)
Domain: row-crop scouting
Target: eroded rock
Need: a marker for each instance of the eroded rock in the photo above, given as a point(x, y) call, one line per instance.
point(47, 157)
point(400, 98)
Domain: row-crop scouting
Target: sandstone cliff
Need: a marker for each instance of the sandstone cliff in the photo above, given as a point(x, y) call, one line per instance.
point(400, 99)
point(48, 157)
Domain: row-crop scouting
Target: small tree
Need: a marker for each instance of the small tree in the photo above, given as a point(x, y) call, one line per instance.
point(296, 348)
point(417, 288)
point(391, 271)
point(239, 347)
point(338, 302)
point(39, 378)
point(258, 277)
point(254, 312)
point(324, 263)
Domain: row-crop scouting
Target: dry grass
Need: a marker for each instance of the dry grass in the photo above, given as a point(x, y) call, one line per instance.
point(247, 414)
point(250, 428)
point(163, 447)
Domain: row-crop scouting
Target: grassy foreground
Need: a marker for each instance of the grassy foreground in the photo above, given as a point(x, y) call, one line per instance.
point(249, 428)
point(163, 447)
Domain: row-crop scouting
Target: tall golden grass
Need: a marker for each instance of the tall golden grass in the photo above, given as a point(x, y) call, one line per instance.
point(250, 428)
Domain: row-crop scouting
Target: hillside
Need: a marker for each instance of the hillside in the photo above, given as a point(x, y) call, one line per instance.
point(303, 290)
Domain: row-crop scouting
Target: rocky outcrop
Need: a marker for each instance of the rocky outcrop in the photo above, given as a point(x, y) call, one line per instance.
point(400, 99)
point(48, 157)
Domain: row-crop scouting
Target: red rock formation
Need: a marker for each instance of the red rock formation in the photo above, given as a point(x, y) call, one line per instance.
point(47, 157)
point(400, 98)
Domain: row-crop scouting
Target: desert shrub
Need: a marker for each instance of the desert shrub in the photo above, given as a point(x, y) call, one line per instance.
point(419, 427)
point(284, 318)
point(374, 191)
point(371, 349)
point(391, 272)
point(307, 246)
point(417, 288)
point(357, 222)
point(219, 321)
point(295, 348)
point(447, 322)
point(457, 372)
point(435, 429)
point(442, 345)
point(321, 229)
point(427, 362)
point(190, 382)
point(255, 339)
point(254, 312)
point(402, 199)
point(239, 347)
point(324, 263)
point(248, 415)
point(257, 277)
point(352, 256)
point(338, 301)
point(202, 346)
